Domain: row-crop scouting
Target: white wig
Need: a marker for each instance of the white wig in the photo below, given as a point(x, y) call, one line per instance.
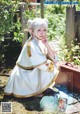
point(37, 23)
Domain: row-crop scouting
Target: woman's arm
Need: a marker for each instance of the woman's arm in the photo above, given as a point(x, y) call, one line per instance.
point(51, 53)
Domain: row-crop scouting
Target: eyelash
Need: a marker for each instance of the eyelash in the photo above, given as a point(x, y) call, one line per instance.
point(43, 30)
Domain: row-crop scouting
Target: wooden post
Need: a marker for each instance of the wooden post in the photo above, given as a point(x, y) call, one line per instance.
point(78, 26)
point(70, 25)
point(23, 21)
point(42, 8)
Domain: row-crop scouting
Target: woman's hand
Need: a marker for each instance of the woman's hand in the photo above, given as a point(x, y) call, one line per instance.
point(44, 41)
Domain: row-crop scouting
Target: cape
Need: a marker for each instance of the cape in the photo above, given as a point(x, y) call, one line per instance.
point(32, 55)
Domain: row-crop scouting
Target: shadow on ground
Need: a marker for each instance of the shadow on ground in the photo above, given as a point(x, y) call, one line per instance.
point(30, 104)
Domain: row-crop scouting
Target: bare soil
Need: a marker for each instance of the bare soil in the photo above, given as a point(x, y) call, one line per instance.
point(21, 105)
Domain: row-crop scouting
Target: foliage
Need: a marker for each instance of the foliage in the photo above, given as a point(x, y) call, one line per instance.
point(7, 12)
point(11, 33)
point(71, 55)
point(30, 12)
point(56, 16)
point(10, 19)
point(18, 34)
point(8, 25)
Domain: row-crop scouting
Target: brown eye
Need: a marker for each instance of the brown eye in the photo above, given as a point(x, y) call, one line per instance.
point(44, 29)
point(38, 30)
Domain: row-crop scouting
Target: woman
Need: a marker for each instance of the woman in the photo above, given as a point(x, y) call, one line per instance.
point(35, 68)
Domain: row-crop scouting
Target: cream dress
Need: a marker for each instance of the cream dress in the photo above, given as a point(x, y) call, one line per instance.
point(33, 72)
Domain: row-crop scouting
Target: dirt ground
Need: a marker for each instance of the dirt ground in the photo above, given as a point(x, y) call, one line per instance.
point(30, 105)
point(21, 105)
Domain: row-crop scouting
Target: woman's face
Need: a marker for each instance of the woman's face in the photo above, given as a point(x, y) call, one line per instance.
point(41, 33)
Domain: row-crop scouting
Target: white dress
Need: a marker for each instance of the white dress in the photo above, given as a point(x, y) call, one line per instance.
point(33, 72)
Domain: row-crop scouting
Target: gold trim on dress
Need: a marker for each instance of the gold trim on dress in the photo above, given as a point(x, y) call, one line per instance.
point(50, 66)
point(29, 49)
point(8, 93)
point(31, 67)
point(35, 94)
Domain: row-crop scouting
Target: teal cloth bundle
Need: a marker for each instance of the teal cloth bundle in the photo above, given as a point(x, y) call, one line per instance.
point(49, 103)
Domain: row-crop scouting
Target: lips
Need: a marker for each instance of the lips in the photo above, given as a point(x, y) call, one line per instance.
point(41, 36)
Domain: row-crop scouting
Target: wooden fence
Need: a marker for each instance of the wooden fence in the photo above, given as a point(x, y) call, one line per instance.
point(72, 25)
